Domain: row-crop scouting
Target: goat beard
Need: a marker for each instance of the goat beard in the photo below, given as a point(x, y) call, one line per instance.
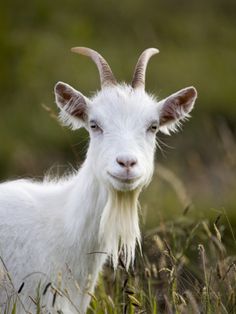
point(119, 226)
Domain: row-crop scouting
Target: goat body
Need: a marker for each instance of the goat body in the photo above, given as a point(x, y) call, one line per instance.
point(61, 232)
point(51, 228)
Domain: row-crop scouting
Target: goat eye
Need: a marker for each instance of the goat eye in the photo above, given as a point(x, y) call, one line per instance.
point(153, 127)
point(95, 127)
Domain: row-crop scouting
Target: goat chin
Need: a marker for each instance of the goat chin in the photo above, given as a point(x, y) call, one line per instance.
point(119, 227)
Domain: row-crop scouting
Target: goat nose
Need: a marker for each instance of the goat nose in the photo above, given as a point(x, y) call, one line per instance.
point(126, 161)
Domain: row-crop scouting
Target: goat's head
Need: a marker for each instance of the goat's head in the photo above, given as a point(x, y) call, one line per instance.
point(122, 121)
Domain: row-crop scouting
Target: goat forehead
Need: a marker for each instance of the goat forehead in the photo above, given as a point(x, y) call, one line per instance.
point(123, 105)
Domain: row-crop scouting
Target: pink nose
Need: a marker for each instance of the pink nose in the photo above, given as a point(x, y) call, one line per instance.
point(126, 161)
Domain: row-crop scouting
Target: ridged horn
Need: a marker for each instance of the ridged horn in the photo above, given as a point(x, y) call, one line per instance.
point(106, 76)
point(140, 69)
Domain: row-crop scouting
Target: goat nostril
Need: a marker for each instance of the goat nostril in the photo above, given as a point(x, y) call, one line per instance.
point(133, 163)
point(121, 163)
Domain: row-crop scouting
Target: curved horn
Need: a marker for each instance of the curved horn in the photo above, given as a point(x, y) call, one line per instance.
point(140, 69)
point(106, 76)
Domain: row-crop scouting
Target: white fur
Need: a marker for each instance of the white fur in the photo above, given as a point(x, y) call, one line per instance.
point(62, 231)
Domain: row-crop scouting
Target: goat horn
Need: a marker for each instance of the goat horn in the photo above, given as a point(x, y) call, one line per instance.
point(106, 76)
point(140, 69)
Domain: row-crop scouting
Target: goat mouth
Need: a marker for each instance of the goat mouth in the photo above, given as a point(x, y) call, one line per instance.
point(124, 179)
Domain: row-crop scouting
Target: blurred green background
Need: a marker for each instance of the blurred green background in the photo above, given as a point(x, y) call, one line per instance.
point(197, 42)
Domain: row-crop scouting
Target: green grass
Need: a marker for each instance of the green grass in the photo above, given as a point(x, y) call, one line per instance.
point(187, 266)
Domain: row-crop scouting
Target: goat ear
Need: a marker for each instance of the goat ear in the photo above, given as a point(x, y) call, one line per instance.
point(176, 108)
point(72, 104)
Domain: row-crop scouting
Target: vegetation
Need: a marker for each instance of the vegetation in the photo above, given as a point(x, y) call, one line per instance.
point(187, 266)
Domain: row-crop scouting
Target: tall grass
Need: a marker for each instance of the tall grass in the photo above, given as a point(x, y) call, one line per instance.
point(187, 266)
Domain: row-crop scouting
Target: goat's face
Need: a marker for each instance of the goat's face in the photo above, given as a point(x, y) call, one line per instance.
point(122, 124)
point(122, 121)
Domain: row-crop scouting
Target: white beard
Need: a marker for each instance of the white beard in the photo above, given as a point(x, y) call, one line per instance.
point(119, 225)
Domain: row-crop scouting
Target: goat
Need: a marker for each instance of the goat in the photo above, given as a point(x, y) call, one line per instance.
point(61, 231)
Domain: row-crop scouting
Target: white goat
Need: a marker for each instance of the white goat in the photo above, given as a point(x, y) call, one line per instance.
point(62, 231)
